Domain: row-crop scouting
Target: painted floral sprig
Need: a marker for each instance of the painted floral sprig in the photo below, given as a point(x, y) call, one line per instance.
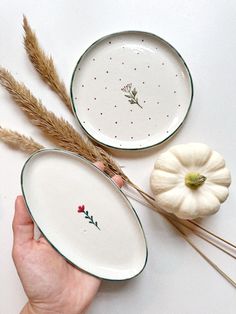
point(131, 94)
point(81, 209)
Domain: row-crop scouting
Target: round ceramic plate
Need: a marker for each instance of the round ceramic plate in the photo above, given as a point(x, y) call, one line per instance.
point(84, 215)
point(131, 90)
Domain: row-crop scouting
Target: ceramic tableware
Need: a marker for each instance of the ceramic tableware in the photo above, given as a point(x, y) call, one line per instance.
point(131, 90)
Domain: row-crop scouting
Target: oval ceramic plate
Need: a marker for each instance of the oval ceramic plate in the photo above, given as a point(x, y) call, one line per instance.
point(84, 215)
point(131, 90)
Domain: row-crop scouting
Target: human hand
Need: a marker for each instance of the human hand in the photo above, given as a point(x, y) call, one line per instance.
point(51, 284)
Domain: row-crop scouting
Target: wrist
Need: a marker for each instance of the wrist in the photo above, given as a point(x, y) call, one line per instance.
point(31, 309)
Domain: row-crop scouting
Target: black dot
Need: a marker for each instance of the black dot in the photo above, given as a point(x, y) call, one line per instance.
point(119, 79)
point(149, 134)
point(144, 101)
point(88, 109)
point(167, 116)
point(149, 118)
point(176, 75)
point(167, 131)
point(93, 59)
point(115, 136)
point(109, 42)
point(142, 40)
point(82, 85)
point(131, 137)
point(120, 144)
point(143, 82)
point(122, 63)
point(99, 129)
point(159, 85)
point(131, 110)
point(95, 78)
point(116, 122)
point(158, 102)
point(95, 98)
point(148, 66)
point(83, 121)
point(107, 72)
point(135, 69)
point(131, 122)
point(163, 63)
point(79, 69)
point(75, 97)
point(115, 106)
point(179, 105)
point(105, 87)
point(137, 53)
point(174, 91)
point(101, 113)
point(123, 47)
point(110, 58)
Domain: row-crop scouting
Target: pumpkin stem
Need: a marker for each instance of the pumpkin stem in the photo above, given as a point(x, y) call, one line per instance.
point(194, 179)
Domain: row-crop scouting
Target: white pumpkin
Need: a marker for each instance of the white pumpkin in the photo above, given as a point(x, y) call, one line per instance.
point(190, 181)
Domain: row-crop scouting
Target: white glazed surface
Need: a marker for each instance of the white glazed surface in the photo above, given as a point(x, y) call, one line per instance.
point(156, 72)
point(55, 184)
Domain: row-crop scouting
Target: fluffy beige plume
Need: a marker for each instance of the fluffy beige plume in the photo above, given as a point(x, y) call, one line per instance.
point(19, 141)
point(44, 64)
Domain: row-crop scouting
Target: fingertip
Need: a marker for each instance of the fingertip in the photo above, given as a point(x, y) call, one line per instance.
point(19, 202)
point(23, 227)
point(18, 198)
point(99, 165)
point(21, 213)
point(118, 180)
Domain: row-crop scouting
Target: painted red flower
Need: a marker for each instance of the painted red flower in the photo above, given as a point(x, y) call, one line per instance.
point(81, 209)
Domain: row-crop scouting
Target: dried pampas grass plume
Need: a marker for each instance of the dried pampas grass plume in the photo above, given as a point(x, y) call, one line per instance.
point(44, 64)
point(19, 141)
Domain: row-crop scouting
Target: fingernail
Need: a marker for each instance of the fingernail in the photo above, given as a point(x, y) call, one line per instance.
point(118, 180)
point(18, 197)
point(99, 165)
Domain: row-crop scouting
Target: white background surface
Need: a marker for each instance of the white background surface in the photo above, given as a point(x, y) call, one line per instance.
point(176, 279)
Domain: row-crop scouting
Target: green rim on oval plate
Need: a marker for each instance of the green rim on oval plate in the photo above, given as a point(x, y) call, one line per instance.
point(98, 232)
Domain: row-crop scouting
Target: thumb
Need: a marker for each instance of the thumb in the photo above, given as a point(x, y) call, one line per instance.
point(23, 226)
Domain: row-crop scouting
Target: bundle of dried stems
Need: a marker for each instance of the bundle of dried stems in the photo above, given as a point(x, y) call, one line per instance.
point(64, 135)
point(59, 131)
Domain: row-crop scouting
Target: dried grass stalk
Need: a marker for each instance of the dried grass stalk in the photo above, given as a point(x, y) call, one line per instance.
point(19, 141)
point(58, 130)
point(44, 64)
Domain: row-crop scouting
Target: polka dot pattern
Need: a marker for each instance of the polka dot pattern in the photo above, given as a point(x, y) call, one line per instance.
point(156, 103)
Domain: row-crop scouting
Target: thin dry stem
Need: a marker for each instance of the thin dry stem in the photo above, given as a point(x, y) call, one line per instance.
point(207, 259)
point(19, 141)
point(194, 227)
point(44, 64)
point(174, 221)
point(211, 233)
